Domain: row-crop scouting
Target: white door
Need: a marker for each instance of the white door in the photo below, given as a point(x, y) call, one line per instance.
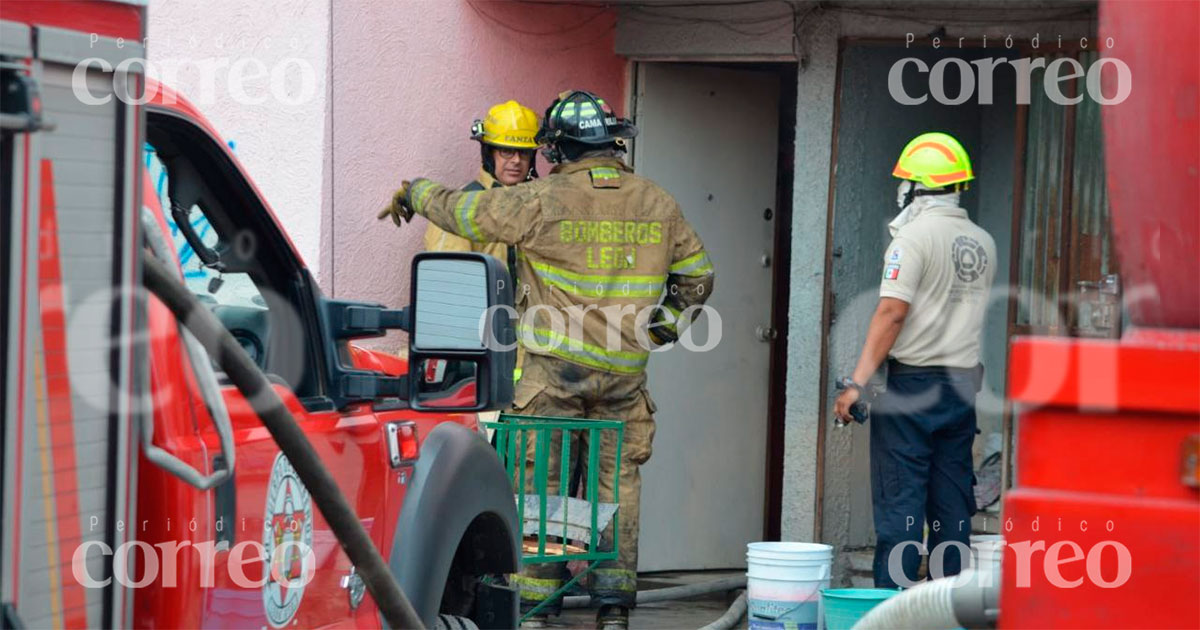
point(710, 137)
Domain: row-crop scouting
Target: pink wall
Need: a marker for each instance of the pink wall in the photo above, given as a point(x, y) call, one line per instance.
point(408, 77)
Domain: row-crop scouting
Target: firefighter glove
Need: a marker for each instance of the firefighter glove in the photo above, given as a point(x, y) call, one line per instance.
point(661, 336)
point(400, 210)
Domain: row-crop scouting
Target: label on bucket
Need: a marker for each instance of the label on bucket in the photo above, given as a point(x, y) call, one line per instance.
point(786, 615)
point(763, 624)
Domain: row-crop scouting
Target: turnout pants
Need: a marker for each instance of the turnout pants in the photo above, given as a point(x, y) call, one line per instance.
point(552, 387)
point(922, 474)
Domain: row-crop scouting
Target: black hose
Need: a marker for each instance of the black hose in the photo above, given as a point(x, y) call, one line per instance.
point(253, 384)
point(669, 593)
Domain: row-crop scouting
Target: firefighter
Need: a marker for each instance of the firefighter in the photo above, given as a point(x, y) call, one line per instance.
point(609, 270)
point(506, 138)
point(937, 275)
point(507, 142)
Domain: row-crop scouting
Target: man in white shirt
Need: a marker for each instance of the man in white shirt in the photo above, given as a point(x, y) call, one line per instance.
point(937, 275)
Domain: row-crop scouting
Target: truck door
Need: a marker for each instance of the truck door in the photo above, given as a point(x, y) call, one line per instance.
point(235, 259)
point(67, 205)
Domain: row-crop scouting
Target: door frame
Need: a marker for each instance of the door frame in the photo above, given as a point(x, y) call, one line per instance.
point(786, 69)
point(1006, 427)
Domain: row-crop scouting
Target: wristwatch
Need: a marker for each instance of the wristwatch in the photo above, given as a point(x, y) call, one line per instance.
point(849, 383)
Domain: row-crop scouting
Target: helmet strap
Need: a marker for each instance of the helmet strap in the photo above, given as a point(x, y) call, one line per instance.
point(489, 163)
point(910, 194)
point(913, 192)
point(552, 154)
point(947, 190)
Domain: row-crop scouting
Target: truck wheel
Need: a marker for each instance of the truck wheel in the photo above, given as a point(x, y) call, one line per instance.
point(451, 622)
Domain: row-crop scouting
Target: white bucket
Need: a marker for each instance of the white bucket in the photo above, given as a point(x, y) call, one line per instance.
point(987, 550)
point(784, 583)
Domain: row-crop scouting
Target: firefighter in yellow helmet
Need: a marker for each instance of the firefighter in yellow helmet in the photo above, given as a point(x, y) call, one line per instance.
point(506, 146)
point(934, 293)
point(506, 138)
point(609, 269)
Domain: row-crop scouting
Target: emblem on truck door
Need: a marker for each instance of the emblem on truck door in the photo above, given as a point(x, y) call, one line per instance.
point(287, 539)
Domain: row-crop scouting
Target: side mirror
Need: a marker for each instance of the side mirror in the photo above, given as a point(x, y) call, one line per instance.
point(462, 339)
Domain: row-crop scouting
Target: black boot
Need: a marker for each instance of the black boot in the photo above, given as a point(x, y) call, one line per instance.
point(612, 618)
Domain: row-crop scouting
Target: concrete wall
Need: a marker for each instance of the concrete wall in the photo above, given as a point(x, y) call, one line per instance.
point(733, 33)
point(196, 46)
point(408, 79)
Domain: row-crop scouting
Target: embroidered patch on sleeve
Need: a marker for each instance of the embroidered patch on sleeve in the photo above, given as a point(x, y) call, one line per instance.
point(894, 257)
point(891, 272)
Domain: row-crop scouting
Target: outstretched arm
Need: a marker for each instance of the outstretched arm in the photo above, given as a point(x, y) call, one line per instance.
point(505, 215)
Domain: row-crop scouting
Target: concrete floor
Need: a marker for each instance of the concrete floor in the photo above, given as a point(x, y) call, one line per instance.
point(676, 615)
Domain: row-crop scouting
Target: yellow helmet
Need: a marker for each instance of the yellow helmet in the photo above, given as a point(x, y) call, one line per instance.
point(508, 124)
point(935, 159)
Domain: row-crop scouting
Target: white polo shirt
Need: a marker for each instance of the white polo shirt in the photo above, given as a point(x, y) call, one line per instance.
point(943, 265)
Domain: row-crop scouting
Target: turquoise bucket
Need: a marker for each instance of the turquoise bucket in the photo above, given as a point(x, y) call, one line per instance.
point(845, 606)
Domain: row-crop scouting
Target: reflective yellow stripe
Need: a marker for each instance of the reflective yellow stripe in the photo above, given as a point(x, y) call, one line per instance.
point(587, 354)
point(599, 286)
point(620, 580)
point(516, 374)
point(464, 211)
point(676, 313)
point(534, 589)
point(694, 265)
point(605, 172)
point(419, 194)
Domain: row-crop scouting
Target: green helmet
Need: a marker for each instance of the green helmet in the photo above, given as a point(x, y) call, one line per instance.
point(935, 159)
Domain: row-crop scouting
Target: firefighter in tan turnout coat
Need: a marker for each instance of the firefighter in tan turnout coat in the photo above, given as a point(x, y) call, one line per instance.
point(609, 269)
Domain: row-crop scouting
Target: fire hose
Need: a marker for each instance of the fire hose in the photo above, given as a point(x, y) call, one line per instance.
point(394, 606)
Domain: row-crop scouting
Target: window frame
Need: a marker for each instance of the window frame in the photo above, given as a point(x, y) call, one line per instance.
point(276, 271)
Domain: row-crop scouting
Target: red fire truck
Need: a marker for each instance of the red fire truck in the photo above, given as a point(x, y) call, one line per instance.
point(145, 484)
point(1106, 504)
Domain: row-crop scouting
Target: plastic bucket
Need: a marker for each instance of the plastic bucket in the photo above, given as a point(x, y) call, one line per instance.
point(845, 606)
point(784, 581)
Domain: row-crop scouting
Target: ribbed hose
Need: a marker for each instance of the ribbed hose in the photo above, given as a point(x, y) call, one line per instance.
point(670, 593)
point(926, 606)
point(969, 599)
point(731, 616)
point(397, 611)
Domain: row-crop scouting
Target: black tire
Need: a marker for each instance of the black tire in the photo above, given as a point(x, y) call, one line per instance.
point(452, 622)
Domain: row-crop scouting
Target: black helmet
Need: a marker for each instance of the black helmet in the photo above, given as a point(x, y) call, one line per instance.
point(582, 117)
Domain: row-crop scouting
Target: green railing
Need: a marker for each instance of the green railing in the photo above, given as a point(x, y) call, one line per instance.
point(541, 455)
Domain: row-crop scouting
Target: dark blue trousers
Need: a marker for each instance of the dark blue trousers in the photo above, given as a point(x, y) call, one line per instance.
point(922, 429)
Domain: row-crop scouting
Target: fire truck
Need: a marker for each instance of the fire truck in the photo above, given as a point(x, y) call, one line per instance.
point(191, 437)
point(1107, 491)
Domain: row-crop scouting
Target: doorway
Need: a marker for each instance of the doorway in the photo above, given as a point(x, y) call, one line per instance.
point(1039, 192)
point(871, 128)
point(711, 135)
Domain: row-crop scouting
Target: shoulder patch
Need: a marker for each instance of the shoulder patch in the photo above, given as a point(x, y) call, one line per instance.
point(605, 177)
